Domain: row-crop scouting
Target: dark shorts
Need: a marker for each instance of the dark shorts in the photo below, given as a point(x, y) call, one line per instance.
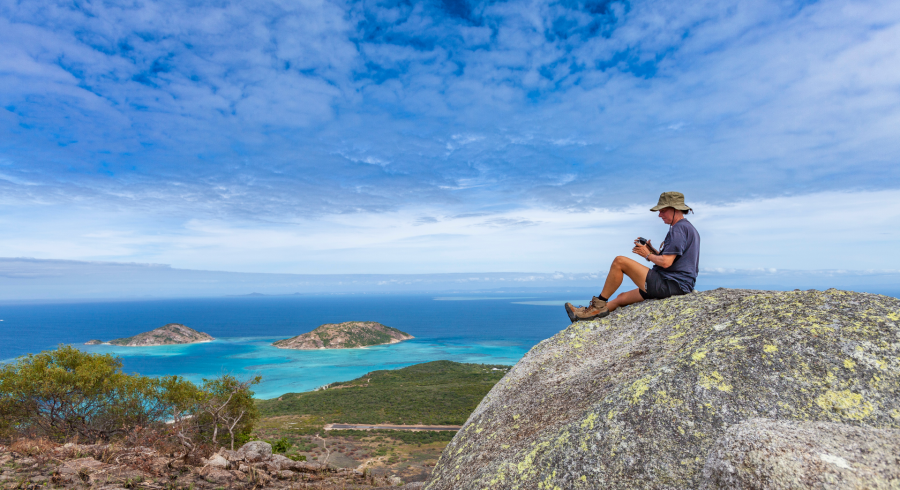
point(659, 287)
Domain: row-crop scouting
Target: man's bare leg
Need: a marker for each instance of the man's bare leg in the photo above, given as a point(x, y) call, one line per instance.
point(625, 299)
point(621, 267)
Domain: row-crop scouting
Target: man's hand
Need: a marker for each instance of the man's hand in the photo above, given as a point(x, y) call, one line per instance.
point(641, 250)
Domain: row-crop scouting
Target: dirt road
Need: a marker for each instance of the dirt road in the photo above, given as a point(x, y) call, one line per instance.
point(391, 427)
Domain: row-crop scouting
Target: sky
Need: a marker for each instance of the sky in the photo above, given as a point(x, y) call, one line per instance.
point(446, 136)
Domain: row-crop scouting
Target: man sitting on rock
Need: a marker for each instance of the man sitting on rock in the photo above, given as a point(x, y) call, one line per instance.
point(674, 271)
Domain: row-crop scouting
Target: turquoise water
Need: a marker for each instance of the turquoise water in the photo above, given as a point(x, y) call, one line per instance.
point(496, 329)
point(285, 370)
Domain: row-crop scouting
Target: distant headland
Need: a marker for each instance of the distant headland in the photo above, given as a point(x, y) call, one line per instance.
point(170, 334)
point(347, 335)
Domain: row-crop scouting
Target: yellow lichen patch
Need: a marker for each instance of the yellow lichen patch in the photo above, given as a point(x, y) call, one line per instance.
point(849, 364)
point(847, 404)
point(638, 388)
point(769, 348)
point(663, 398)
point(526, 466)
point(714, 380)
point(735, 343)
point(589, 421)
point(699, 355)
point(548, 482)
point(816, 329)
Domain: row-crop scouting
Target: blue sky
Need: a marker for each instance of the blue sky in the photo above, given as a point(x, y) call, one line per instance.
point(448, 136)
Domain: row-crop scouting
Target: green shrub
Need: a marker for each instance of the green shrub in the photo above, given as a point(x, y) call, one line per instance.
point(281, 445)
point(66, 393)
point(228, 402)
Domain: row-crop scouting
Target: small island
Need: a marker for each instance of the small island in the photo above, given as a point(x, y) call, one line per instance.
point(347, 335)
point(170, 334)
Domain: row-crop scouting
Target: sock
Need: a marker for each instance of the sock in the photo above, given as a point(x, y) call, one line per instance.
point(602, 298)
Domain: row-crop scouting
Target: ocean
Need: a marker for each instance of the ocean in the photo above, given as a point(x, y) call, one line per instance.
point(488, 329)
point(483, 328)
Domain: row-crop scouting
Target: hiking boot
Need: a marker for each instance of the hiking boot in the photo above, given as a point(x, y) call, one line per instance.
point(597, 309)
point(572, 310)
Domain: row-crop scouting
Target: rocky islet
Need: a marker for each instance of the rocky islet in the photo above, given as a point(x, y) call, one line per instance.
point(169, 334)
point(346, 335)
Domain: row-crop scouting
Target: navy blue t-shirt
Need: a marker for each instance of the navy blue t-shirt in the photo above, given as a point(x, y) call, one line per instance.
point(683, 241)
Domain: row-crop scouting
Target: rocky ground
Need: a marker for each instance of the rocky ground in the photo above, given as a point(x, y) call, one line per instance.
point(28, 464)
point(380, 453)
point(643, 397)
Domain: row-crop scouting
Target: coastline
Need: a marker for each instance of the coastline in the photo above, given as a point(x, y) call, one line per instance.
point(393, 341)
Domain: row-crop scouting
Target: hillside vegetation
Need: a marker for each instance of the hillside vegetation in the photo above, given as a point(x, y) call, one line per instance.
point(433, 393)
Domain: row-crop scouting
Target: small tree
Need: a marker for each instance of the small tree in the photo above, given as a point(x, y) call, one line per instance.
point(229, 404)
point(178, 402)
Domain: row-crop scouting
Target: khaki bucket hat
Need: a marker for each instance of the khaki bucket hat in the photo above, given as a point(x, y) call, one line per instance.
point(671, 200)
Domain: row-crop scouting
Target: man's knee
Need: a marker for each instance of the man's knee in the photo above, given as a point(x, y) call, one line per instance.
point(621, 259)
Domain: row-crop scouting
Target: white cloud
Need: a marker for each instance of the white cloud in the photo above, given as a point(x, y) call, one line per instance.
point(761, 99)
point(834, 230)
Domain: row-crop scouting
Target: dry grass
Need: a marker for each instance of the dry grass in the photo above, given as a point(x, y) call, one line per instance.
point(32, 447)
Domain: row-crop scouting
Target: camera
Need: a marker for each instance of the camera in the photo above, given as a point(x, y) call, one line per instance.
point(643, 241)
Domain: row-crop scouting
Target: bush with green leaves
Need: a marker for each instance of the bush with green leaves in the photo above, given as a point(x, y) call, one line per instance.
point(67, 394)
point(281, 445)
point(228, 403)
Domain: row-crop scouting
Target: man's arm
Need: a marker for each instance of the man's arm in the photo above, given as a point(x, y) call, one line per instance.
point(664, 261)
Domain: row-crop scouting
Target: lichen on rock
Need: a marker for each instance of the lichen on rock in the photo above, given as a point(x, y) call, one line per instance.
point(637, 399)
point(770, 454)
